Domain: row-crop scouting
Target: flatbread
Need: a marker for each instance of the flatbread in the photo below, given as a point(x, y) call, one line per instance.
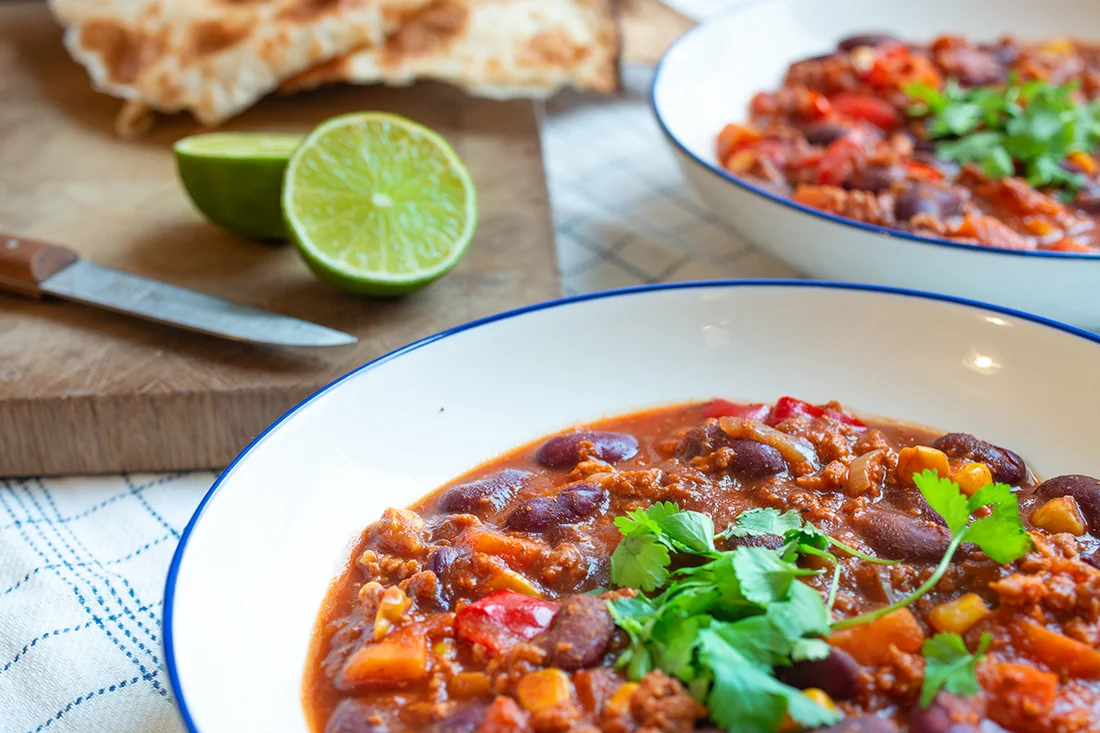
point(492, 48)
point(214, 58)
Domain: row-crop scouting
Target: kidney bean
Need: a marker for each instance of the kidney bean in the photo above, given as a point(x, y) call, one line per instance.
point(946, 714)
point(485, 495)
point(441, 559)
point(771, 541)
point(1006, 466)
point(569, 505)
point(924, 198)
point(898, 537)
point(753, 460)
point(701, 441)
point(862, 724)
point(875, 177)
point(865, 39)
point(580, 634)
point(352, 716)
point(564, 450)
point(463, 720)
point(1088, 204)
point(837, 674)
point(824, 133)
point(1085, 490)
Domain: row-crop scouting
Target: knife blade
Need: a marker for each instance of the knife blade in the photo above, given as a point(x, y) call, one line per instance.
point(32, 268)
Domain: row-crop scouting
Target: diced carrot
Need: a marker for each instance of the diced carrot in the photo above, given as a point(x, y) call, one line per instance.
point(1060, 514)
point(505, 716)
point(1019, 694)
point(1084, 161)
point(790, 725)
point(921, 458)
point(1069, 244)
point(513, 549)
point(972, 476)
point(870, 643)
point(918, 171)
point(399, 659)
point(734, 136)
point(959, 615)
point(619, 704)
point(544, 689)
point(469, 684)
point(1058, 652)
point(991, 231)
point(595, 687)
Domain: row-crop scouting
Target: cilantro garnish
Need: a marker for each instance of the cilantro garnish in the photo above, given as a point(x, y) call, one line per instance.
point(1001, 534)
point(948, 664)
point(1035, 124)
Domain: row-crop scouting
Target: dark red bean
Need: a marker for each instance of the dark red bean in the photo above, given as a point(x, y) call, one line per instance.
point(771, 541)
point(441, 559)
point(569, 505)
point(837, 675)
point(896, 536)
point(564, 450)
point(464, 720)
point(824, 133)
point(352, 716)
point(1006, 466)
point(924, 198)
point(875, 178)
point(864, 724)
point(1088, 204)
point(580, 634)
point(485, 495)
point(701, 441)
point(866, 39)
point(946, 714)
point(1084, 489)
point(754, 460)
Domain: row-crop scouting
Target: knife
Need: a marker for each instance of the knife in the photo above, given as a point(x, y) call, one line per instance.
point(32, 268)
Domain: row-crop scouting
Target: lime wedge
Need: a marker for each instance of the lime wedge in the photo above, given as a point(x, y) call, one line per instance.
point(378, 204)
point(236, 179)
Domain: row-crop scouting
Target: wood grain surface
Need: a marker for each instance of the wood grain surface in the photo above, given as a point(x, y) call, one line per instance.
point(83, 390)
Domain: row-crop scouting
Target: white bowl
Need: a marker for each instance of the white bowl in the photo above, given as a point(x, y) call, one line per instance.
point(253, 565)
point(708, 77)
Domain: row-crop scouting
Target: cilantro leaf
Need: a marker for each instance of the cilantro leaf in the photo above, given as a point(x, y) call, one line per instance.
point(762, 522)
point(948, 664)
point(802, 614)
point(675, 637)
point(756, 638)
point(693, 530)
point(645, 521)
point(640, 561)
point(1001, 535)
point(810, 650)
point(945, 497)
point(764, 577)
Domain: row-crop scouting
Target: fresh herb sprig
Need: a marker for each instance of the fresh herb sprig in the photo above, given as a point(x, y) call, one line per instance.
point(1000, 534)
point(948, 664)
point(1035, 124)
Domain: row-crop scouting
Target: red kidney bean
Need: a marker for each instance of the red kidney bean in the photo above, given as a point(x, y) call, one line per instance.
point(824, 133)
point(771, 541)
point(946, 714)
point(464, 720)
point(352, 716)
point(580, 634)
point(895, 536)
point(1088, 204)
point(924, 198)
point(701, 441)
point(751, 459)
point(863, 724)
point(875, 178)
point(485, 495)
point(1006, 466)
point(866, 39)
point(837, 675)
point(569, 505)
point(441, 559)
point(564, 450)
point(1085, 490)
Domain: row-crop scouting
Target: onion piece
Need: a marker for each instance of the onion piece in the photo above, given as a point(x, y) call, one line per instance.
point(793, 448)
point(859, 477)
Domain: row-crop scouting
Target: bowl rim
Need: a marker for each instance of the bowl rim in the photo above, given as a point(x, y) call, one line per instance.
point(790, 203)
point(181, 548)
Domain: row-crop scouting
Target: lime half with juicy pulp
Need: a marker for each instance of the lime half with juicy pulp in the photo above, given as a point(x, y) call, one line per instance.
point(378, 204)
point(236, 179)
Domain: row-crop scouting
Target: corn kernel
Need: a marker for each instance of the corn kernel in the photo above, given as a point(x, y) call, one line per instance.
point(1059, 46)
point(1038, 226)
point(391, 607)
point(468, 684)
point(1084, 161)
point(619, 704)
point(510, 580)
point(1060, 515)
point(820, 697)
point(922, 458)
point(972, 477)
point(545, 689)
point(959, 615)
point(444, 648)
point(741, 161)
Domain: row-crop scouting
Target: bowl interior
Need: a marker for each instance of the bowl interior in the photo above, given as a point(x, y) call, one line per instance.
point(250, 575)
point(708, 77)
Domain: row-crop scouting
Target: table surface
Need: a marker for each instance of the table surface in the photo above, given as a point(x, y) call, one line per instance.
point(83, 560)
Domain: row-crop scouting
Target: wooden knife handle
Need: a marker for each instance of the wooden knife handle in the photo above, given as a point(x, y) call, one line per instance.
point(26, 263)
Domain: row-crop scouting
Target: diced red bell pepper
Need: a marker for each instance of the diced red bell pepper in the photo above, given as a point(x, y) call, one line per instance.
point(787, 407)
point(806, 161)
point(763, 104)
point(922, 171)
point(872, 109)
point(816, 106)
point(502, 619)
point(838, 162)
point(725, 408)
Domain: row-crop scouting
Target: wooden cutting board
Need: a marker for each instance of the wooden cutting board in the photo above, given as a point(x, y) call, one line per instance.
point(85, 391)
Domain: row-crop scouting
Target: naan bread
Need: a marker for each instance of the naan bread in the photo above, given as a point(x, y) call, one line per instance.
point(214, 58)
point(492, 48)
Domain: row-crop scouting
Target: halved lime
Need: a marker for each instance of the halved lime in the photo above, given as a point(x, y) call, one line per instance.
point(378, 204)
point(236, 178)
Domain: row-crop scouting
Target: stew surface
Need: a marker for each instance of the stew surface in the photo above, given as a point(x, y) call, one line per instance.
point(989, 144)
point(487, 607)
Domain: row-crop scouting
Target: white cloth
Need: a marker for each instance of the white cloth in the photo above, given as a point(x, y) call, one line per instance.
point(83, 560)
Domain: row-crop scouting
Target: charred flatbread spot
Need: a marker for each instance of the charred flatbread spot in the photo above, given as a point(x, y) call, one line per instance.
point(212, 36)
point(125, 51)
point(427, 31)
point(553, 48)
point(307, 9)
